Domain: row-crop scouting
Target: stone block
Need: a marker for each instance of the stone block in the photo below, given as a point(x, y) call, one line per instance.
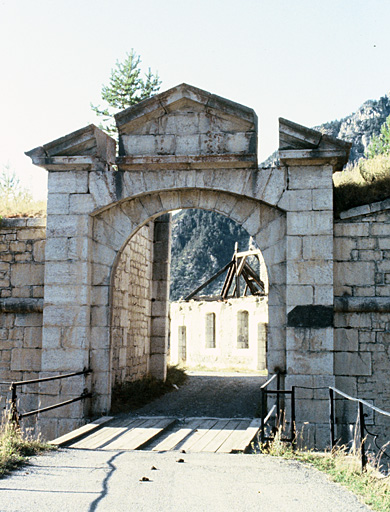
point(298, 295)
point(64, 360)
point(275, 186)
point(309, 340)
point(100, 337)
point(313, 411)
point(158, 366)
point(310, 177)
point(66, 316)
point(347, 385)
point(343, 247)
point(380, 229)
point(39, 251)
point(68, 226)
point(353, 363)
point(57, 204)
point(296, 200)
point(73, 182)
point(351, 229)
point(66, 273)
point(67, 294)
point(56, 249)
point(139, 144)
point(159, 326)
point(324, 295)
point(310, 223)
point(314, 363)
point(170, 200)
point(26, 359)
point(188, 145)
point(318, 247)
point(237, 142)
point(309, 272)
point(323, 199)
point(26, 274)
point(81, 203)
point(346, 340)
point(356, 273)
point(100, 316)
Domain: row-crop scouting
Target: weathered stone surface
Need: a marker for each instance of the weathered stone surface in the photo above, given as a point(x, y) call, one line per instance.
point(353, 363)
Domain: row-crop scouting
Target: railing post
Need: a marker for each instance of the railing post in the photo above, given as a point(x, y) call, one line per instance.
point(362, 436)
point(263, 413)
point(14, 412)
point(331, 418)
point(293, 426)
point(278, 414)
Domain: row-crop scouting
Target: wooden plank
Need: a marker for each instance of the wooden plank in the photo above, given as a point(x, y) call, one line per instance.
point(247, 437)
point(140, 436)
point(208, 436)
point(221, 436)
point(96, 441)
point(228, 445)
point(80, 432)
point(214, 276)
point(203, 428)
point(177, 437)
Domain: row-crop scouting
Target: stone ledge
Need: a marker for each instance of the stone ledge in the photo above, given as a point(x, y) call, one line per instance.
point(22, 222)
point(365, 209)
point(21, 305)
point(224, 161)
point(362, 304)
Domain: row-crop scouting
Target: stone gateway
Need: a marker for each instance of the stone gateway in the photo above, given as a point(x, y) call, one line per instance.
point(93, 290)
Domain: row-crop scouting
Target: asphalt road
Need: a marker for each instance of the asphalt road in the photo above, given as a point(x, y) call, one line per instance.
point(88, 481)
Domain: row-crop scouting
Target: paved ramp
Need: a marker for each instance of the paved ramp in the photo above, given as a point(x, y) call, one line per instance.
point(222, 435)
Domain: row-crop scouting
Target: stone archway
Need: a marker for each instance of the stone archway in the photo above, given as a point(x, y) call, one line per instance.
point(189, 148)
point(115, 226)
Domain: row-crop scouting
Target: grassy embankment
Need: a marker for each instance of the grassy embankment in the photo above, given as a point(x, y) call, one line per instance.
point(365, 182)
point(342, 467)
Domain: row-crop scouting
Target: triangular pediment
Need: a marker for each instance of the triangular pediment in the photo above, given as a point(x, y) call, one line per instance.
point(178, 101)
point(297, 142)
point(187, 122)
point(89, 141)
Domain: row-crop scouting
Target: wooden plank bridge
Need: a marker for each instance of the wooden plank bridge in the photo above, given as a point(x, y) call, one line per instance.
point(221, 435)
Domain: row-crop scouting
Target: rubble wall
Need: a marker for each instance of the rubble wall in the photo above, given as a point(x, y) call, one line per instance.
point(131, 308)
point(22, 250)
point(362, 311)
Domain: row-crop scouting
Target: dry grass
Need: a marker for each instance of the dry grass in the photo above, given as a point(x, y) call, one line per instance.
point(342, 467)
point(16, 446)
point(365, 182)
point(21, 207)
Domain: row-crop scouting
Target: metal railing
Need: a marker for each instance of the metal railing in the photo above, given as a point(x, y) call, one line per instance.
point(16, 417)
point(363, 431)
point(277, 410)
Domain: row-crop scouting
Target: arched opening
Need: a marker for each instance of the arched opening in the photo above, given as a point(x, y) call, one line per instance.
point(137, 312)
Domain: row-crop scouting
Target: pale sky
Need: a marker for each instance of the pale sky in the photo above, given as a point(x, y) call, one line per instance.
point(310, 61)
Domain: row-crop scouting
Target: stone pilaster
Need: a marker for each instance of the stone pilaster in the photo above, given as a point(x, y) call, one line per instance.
point(160, 296)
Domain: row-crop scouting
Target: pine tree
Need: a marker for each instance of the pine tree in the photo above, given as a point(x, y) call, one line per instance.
point(380, 144)
point(126, 88)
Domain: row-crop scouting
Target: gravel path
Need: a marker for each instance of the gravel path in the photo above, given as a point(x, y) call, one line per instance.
point(218, 395)
point(106, 481)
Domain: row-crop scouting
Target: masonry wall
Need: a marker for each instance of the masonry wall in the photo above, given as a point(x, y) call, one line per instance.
point(226, 354)
point(362, 311)
point(22, 248)
point(131, 308)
